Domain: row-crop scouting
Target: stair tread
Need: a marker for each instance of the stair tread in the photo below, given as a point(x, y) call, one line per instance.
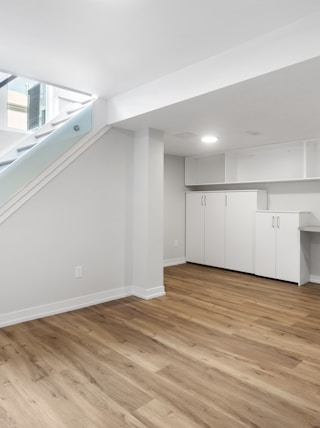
point(26, 147)
point(86, 101)
point(72, 100)
point(59, 121)
point(6, 162)
point(44, 133)
point(75, 109)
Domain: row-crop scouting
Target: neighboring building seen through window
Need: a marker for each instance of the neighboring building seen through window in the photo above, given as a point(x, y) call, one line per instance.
point(26, 104)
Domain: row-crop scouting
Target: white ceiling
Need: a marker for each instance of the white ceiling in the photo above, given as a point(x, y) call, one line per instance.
point(277, 107)
point(107, 47)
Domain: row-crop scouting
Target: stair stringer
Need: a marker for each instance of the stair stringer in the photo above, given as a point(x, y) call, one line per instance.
point(99, 128)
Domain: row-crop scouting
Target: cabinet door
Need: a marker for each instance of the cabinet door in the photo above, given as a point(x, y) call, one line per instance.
point(265, 245)
point(214, 229)
point(288, 247)
point(195, 227)
point(240, 219)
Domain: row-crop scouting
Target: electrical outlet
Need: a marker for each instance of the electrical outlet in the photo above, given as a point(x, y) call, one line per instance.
point(78, 272)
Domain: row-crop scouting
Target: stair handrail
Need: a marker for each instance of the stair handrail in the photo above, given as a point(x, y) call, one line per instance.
point(7, 80)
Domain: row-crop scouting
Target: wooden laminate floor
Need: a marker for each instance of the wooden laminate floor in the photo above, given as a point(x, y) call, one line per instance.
point(221, 349)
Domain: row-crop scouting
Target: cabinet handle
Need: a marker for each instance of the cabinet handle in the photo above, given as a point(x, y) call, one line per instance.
point(273, 218)
point(202, 200)
point(278, 222)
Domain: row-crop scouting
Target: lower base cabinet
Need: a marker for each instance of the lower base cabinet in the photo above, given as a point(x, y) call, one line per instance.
point(240, 215)
point(205, 223)
point(220, 228)
point(233, 230)
point(280, 251)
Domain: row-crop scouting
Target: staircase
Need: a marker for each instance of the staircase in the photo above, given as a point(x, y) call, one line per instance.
point(31, 141)
point(39, 156)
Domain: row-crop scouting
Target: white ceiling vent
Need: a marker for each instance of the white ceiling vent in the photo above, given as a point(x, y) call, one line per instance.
point(254, 133)
point(186, 135)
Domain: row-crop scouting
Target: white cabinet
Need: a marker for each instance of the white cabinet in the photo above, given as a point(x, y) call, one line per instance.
point(292, 161)
point(205, 218)
point(241, 208)
point(280, 252)
point(195, 227)
point(204, 170)
point(214, 229)
point(220, 228)
point(280, 162)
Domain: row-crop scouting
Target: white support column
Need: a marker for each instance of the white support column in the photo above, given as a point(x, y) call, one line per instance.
point(148, 215)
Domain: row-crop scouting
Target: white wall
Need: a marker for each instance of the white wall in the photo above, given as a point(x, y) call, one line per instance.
point(174, 210)
point(81, 218)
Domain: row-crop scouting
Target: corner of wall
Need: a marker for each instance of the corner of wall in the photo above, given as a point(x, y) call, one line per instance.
point(149, 293)
point(174, 262)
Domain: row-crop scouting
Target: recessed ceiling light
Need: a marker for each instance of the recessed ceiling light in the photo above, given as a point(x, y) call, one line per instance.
point(209, 139)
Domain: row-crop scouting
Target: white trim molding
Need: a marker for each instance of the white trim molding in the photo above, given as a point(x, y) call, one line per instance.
point(73, 304)
point(149, 293)
point(46, 310)
point(174, 262)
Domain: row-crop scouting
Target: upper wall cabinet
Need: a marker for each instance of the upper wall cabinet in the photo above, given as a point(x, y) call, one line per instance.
point(205, 170)
point(313, 159)
point(276, 162)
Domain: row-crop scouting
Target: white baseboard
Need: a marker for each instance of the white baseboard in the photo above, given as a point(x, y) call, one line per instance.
point(63, 306)
point(174, 262)
point(315, 279)
point(148, 294)
point(42, 311)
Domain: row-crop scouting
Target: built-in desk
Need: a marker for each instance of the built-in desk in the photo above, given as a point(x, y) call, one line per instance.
point(315, 229)
point(307, 237)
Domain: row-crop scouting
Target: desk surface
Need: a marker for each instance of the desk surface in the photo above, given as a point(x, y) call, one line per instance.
point(310, 229)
